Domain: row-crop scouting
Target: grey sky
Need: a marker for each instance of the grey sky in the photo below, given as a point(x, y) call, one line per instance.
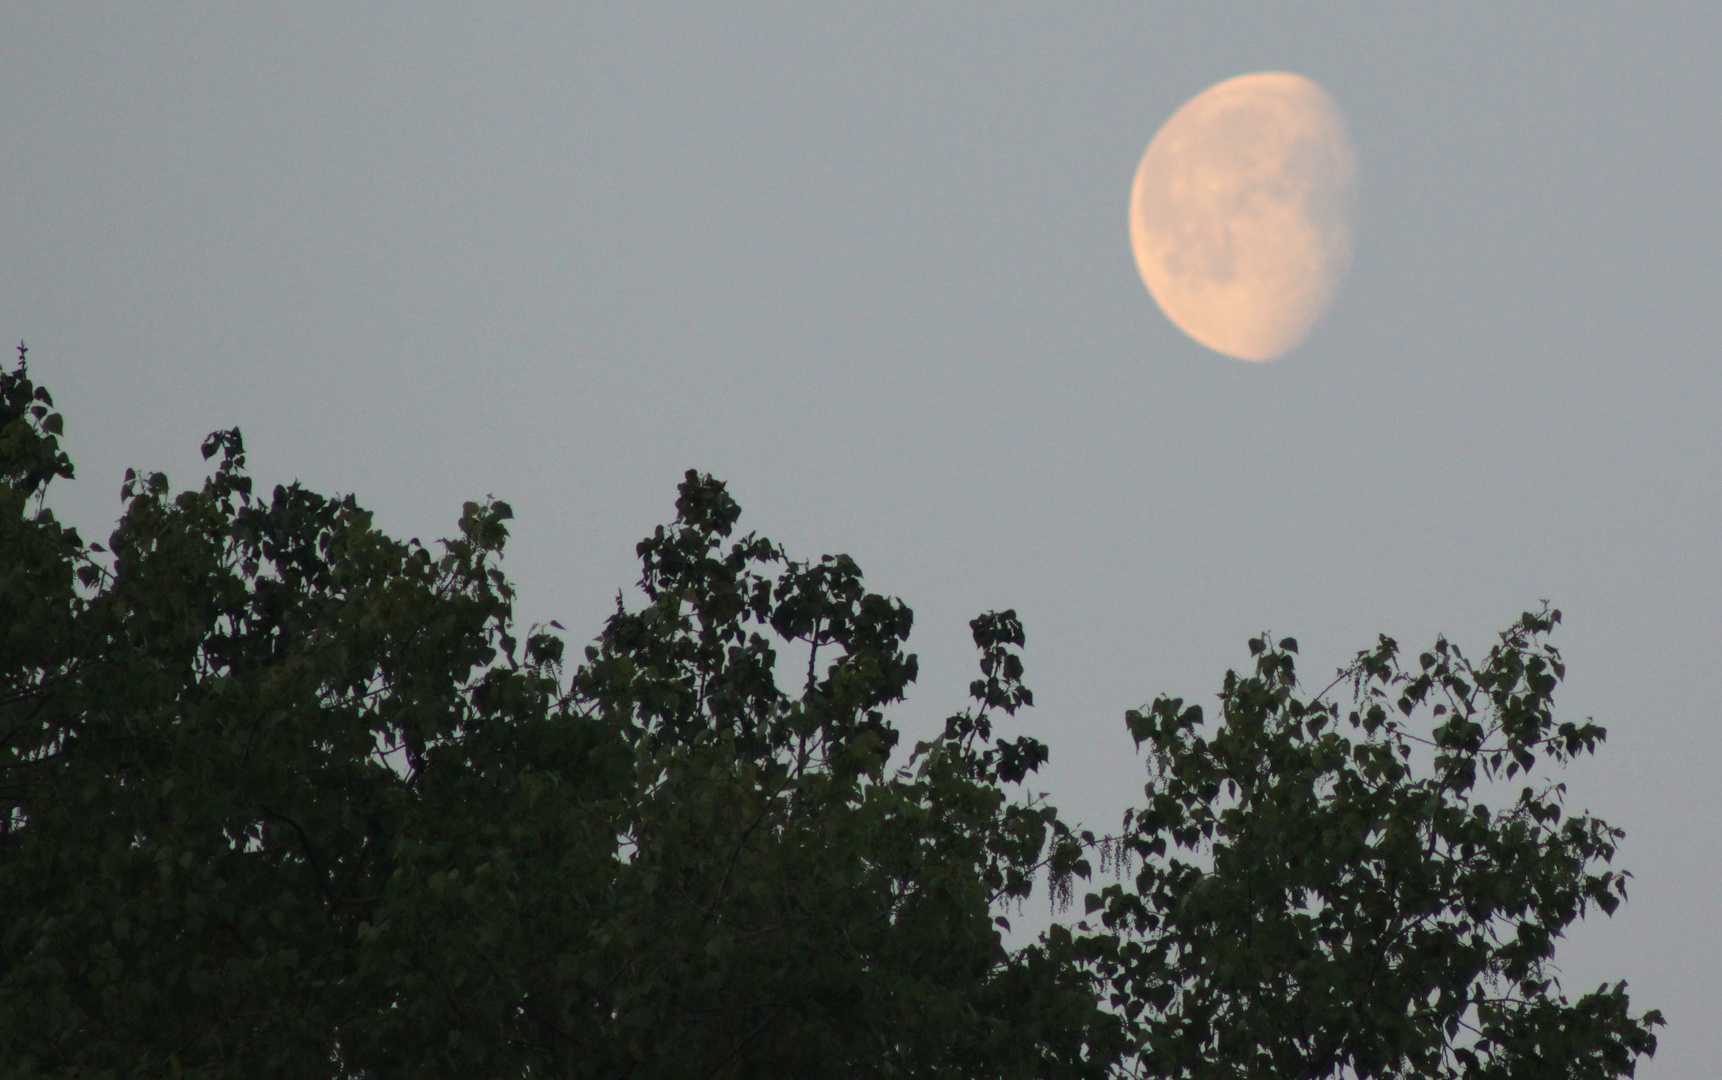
point(870, 265)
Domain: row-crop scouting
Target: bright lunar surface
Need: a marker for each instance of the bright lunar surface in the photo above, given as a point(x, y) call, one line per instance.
point(1241, 213)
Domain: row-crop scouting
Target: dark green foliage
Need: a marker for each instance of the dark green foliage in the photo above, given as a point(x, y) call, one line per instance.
point(1324, 891)
point(285, 797)
point(281, 796)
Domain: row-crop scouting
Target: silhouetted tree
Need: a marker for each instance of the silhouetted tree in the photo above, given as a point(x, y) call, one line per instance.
point(282, 796)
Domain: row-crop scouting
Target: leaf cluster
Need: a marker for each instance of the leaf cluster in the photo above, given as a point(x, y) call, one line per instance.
point(1326, 889)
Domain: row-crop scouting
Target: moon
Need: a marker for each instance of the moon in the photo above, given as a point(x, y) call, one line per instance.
point(1241, 213)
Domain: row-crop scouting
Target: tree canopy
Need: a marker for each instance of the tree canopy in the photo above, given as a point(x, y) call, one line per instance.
point(283, 796)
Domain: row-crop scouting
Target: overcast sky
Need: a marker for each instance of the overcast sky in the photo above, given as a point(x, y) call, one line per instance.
point(870, 265)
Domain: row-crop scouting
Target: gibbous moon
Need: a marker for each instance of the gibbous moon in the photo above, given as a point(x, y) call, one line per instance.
point(1240, 216)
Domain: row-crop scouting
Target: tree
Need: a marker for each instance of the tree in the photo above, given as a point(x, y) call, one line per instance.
point(1354, 906)
point(287, 797)
point(281, 795)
